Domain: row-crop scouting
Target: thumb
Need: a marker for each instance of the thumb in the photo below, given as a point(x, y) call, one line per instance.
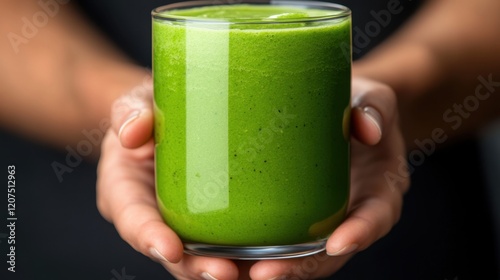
point(366, 125)
point(373, 110)
point(132, 115)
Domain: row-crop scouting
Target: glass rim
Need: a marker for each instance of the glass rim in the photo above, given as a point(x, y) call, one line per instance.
point(157, 13)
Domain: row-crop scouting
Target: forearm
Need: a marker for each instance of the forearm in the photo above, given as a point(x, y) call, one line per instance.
point(444, 67)
point(58, 78)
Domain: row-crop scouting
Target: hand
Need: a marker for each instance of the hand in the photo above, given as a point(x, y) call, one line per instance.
point(375, 202)
point(126, 195)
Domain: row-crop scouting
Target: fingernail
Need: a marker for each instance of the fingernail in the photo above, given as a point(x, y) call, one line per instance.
point(131, 117)
point(375, 117)
point(207, 276)
point(344, 251)
point(156, 254)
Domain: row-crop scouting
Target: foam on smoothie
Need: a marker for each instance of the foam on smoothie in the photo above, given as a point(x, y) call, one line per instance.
point(246, 12)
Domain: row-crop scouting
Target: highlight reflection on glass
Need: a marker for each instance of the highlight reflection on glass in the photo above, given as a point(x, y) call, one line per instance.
point(207, 77)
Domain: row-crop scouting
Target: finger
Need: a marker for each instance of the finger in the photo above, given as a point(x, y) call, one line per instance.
point(137, 129)
point(140, 225)
point(366, 125)
point(126, 198)
point(116, 164)
point(132, 116)
point(375, 104)
point(374, 110)
point(369, 219)
point(203, 268)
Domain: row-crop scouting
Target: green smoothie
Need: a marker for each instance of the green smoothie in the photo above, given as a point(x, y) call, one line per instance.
point(250, 102)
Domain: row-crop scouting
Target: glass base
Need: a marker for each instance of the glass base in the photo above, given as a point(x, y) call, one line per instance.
point(255, 252)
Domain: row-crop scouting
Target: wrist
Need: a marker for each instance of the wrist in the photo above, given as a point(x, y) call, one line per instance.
point(101, 85)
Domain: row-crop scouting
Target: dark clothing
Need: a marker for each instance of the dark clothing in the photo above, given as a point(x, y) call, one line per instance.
point(445, 231)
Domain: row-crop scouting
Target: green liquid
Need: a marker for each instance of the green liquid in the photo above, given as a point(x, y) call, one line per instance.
point(250, 147)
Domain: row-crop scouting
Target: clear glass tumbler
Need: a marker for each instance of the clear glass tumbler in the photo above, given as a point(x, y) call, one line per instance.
point(252, 101)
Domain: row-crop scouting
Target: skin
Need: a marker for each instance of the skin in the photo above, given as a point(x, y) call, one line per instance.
point(67, 62)
point(431, 64)
point(434, 61)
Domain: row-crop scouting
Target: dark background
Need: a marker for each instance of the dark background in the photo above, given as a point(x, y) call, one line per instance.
point(446, 230)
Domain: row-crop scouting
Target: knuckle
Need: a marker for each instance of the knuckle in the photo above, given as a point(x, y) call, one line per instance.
point(137, 233)
point(145, 234)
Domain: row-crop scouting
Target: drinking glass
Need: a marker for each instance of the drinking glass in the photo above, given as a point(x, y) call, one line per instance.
point(252, 103)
